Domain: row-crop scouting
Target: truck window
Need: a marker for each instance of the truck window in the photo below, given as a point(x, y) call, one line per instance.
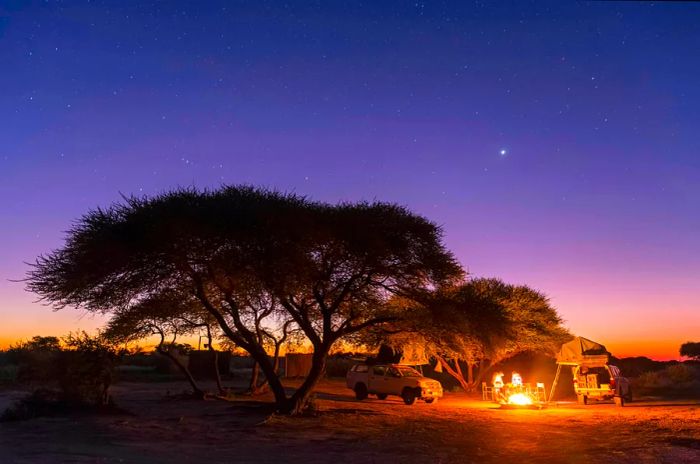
point(360, 368)
point(379, 370)
point(408, 372)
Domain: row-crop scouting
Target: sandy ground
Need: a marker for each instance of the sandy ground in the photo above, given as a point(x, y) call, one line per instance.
point(457, 429)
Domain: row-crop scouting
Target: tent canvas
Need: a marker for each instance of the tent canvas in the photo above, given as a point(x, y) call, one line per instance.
point(579, 352)
point(582, 351)
point(413, 355)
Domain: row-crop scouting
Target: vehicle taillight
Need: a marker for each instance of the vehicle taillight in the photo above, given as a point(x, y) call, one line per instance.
point(612, 384)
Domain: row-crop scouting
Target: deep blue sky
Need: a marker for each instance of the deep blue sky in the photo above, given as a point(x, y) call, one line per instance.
point(595, 105)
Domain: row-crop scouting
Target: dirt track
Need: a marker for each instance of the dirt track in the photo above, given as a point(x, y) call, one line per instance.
point(457, 429)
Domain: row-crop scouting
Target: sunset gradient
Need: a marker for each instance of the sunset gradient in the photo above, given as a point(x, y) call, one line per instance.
point(556, 143)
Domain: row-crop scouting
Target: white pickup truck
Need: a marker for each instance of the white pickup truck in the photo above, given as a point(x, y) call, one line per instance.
point(392, 379)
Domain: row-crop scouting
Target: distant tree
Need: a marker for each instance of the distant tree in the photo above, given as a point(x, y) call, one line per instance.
point(169, 316)
point(35, 358)
point(37, 343)
point(691, 350)
point(331, 268)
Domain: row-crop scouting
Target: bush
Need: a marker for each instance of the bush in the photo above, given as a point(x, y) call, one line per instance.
point(74, 377)
point(681, 373)
point(8, 374)
point(88, 370)
point(676, 380)
point(40, 403)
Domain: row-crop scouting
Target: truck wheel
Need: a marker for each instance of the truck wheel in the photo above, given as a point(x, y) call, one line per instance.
point(409, 396)
point(431, 400)
point(619, 401)
point(360, 391)
point(582, 399)
point(382, 396)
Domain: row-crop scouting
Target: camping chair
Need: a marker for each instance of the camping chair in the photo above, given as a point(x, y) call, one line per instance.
point(540, 392)
point(487, 392)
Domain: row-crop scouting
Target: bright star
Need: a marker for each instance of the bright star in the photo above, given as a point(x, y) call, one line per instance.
point(503, 152)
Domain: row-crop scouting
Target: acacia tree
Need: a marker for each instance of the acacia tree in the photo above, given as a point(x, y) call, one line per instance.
point(331, 268)
point(532, 324)
point(480, 324)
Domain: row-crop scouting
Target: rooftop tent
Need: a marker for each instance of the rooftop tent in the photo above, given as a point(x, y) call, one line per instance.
point(409, 354)
point(582, 351)
point(579, 352)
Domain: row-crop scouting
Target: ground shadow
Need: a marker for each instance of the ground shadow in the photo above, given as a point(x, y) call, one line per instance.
point(692, 443)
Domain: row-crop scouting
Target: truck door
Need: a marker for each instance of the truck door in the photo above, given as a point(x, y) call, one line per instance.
point(377, 380)
point(394, 381)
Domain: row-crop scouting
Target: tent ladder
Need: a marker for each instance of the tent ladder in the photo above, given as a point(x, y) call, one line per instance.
point(554, 384)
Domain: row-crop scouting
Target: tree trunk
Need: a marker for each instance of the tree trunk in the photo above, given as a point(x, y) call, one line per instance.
point(469, 381)
point(198, 392)
point(484, 368)
point(470, 374)
point(298, 402)
point(257, 387)
point(446, 365)
point(217, 374)
point(263, 360)
point(254, 375)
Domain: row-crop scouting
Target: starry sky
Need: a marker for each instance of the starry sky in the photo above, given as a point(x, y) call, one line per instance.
point(556, 142)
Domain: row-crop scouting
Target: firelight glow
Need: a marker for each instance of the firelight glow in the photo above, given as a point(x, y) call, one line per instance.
point(415, 103)
point(520, 399)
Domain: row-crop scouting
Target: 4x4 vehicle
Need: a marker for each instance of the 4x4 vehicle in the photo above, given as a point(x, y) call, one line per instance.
point(392, 379)
point(601, 383)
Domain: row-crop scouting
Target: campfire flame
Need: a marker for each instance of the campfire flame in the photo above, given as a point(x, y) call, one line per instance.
point(520, 399)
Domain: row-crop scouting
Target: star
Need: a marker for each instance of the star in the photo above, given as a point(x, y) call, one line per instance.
point(503, 152)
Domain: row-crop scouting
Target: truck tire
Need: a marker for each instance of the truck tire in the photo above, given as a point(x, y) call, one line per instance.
point(360, 391)
point(409, 396)
point(582, 399)
point(382, 396)
point(619, 401)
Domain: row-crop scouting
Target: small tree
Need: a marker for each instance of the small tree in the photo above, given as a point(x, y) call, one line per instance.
point(691, 350)
point(168, 316)
point(330, 268)
point(87, 369)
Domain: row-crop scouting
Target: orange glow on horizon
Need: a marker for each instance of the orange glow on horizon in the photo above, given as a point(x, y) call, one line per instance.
point(662, 350)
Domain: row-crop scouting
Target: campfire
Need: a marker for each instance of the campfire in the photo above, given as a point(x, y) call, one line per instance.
point(517, 394)
point(520, 399)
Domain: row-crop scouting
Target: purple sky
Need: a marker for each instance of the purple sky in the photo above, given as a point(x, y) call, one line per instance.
point(595, 201)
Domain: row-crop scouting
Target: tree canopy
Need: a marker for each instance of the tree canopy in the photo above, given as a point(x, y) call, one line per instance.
point(330, 269)
point(479, 323)
point(691, 350)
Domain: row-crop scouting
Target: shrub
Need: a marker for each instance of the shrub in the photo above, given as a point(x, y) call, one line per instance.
point(676, 380)
point(42, 402)
point(74, 377)
point(88, 370)
point(8, 374)
point(681, 373)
